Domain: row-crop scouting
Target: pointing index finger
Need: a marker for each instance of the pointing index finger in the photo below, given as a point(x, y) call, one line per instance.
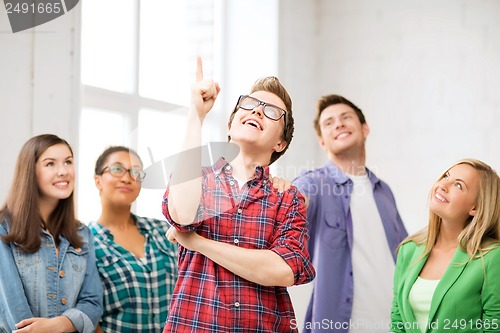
point(199, 69)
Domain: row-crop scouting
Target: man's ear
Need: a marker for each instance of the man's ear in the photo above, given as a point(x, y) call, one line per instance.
point(280, 146)
point(321, 141)
point(365, 129)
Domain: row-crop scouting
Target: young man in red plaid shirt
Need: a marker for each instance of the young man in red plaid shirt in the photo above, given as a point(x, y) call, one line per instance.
point(242, 242)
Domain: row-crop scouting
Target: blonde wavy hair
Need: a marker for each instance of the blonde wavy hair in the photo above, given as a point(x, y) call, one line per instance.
point(482, 231)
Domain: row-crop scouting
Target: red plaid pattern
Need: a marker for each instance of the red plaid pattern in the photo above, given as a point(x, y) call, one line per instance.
point(209, 298)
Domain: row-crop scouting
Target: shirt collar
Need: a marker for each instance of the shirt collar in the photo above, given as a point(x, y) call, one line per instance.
point(141, 223)
point(261, 172)
point(341, 178)
point(5, 225)
point(101, 230)
point(105, 233)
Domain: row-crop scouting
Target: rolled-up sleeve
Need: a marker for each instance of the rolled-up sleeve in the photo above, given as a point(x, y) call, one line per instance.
point(184, 228)
point(290, 241)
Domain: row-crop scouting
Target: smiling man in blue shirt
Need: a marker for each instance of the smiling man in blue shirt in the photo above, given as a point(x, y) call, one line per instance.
point(354, 228)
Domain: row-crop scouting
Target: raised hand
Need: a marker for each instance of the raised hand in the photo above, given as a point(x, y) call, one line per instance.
point(185, 191)
point(203, 92)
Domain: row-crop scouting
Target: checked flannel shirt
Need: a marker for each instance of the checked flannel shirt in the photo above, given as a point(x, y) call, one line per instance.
point(208, 297)
point(136, 293)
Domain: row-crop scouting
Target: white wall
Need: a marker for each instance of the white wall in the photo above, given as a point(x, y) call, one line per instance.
point(299, 72)
point(39, 86)
point(250, 48)
point(426, 74)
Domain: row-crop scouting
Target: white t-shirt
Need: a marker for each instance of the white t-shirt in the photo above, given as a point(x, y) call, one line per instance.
point(372, 262)
point(240, 182)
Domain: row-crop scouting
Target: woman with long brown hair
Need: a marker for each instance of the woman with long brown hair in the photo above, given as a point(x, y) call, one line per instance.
point(48, 280)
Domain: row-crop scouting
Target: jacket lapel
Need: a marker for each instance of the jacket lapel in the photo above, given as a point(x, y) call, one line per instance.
point(413, 271)
point(450, 276)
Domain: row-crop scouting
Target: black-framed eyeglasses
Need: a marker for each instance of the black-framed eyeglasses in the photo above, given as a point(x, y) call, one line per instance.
point(271, 111)
point(118, 170)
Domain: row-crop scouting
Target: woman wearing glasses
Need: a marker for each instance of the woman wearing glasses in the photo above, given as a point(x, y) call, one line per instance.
point(136, 263)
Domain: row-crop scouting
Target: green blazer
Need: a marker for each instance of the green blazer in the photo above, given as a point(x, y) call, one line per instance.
point(467, 299)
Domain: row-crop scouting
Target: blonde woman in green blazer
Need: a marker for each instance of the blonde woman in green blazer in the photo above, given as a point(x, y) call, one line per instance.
point(447, 276)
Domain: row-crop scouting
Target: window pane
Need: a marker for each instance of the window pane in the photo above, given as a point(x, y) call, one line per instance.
point(108, 44)
point(96, 134)
point(160, 136)
point(173, 33)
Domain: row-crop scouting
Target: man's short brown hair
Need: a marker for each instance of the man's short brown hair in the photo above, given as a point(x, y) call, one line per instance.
point(328, 100)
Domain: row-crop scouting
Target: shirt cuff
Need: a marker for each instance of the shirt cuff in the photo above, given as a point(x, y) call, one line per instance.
point(80, 320)
point(302, 269)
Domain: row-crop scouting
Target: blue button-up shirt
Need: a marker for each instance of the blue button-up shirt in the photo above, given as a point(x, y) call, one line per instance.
point(46, 284)
point(331, 238)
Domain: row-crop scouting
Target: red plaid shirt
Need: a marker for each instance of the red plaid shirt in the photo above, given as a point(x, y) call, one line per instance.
point(209, 298)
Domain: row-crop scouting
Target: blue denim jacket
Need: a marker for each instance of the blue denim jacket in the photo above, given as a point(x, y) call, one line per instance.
point(43, 284)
